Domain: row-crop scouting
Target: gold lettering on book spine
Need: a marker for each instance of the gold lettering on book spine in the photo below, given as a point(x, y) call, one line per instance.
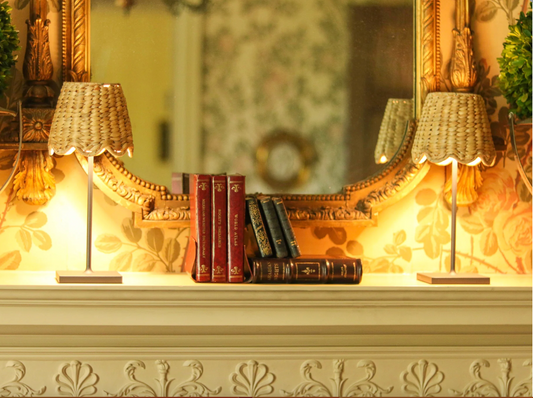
point(260, 233)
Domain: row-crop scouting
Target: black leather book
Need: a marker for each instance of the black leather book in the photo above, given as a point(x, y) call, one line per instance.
point(288, 232)
point(307, 270)
point(252, 208)
point(273, 226)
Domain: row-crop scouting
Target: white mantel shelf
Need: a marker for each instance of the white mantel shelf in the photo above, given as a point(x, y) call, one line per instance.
point(173, 305)
point(399, 332)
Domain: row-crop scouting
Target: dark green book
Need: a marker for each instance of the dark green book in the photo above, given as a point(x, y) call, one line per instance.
point(258, 226)
point(275, 234)
point(286, 227)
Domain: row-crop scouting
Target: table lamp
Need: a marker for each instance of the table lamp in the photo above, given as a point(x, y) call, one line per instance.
point(453, 127)
point(392, 129)
point(90, 118)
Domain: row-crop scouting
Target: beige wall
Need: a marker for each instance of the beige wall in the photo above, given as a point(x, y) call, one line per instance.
point(117, 42)
point(494, 235)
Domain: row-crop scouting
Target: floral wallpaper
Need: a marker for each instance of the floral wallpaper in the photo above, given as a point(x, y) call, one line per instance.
point(275, 65)
point(494, 234)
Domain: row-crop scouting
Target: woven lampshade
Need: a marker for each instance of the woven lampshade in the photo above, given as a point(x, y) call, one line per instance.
point(91, 118)
point(391, 132)
point(454, 126)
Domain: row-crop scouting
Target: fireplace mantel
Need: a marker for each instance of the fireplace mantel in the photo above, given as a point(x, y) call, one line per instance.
point(390, 331)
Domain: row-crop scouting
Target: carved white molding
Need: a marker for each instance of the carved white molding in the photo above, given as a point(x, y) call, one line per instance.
point(252, 379)
point(76, 380)
point(480, 387)
point(15, 387)
point(189, 388)
point(422, 379)
point(314, 388)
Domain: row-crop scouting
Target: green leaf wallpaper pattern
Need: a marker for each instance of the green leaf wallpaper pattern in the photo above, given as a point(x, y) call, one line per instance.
point(487, 9)
point(153, 253)
point(26, 235)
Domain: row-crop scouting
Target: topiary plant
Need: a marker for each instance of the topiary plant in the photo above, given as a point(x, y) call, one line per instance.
point(515, 67)
point(9, 43)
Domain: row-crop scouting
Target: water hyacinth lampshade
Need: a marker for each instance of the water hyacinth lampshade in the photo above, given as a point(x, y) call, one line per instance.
point(90, 118)
point(453, 128)
point(392, 129)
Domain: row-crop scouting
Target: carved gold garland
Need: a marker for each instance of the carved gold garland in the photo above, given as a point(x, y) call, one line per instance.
point(154, 206)
point(427, 61)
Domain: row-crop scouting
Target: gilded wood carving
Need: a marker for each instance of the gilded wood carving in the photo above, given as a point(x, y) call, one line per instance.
point(34, 182)
point(463, 74)
point(154, 206)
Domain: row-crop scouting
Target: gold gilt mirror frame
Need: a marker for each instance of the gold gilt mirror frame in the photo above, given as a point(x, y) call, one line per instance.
point(154, 206)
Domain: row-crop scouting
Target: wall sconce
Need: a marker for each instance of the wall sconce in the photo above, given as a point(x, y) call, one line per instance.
point(453, 128)
point(392, 130)
point(90, 118)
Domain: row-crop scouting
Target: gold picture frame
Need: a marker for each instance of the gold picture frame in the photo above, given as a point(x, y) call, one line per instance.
point(154, 206)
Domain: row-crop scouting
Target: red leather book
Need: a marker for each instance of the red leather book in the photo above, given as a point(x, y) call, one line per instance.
point(219, 229)
point(236, 225)
point(200, 202)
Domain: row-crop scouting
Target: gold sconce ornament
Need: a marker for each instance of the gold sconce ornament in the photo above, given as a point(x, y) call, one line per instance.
point(454, 128)
point(90, 118)
point(463, 75)
point(392, 130)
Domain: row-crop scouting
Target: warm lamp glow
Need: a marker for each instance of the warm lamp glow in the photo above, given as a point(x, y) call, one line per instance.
point(453, 128)
point(446, 162)
point(383, 159)
point(90, 118)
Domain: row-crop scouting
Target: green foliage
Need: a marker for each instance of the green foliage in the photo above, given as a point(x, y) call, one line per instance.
point(515, 67)
point(9, 43)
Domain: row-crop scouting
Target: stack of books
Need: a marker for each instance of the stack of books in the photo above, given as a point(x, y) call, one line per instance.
point(216, 248)
point(220, 213)
point(271, 227)
point(278, 257)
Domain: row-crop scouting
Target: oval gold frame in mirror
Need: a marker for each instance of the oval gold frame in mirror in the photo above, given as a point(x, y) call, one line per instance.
point(359, 203)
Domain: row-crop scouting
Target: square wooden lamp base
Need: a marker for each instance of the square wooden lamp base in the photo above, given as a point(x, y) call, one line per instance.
point(88, 277)
point(441, 278)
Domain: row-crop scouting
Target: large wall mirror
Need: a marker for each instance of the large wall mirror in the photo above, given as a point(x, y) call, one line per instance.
point(290, 93)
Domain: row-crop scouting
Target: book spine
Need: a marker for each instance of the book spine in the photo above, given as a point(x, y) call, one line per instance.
point(265, 250)
point(309, 271)
point(219, 229)
point(200, 200)
point(275, 270)
point(317, 271)
point(345, 271)
point(236, 225)
point(177, 183)
point(286, 227)
point(274, 231)
point(180, 183)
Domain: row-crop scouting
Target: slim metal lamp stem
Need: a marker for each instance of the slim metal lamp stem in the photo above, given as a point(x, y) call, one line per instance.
point(454, 214)
point(89, 212)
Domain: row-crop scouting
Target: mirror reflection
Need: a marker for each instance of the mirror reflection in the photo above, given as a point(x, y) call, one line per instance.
point(290, 93)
